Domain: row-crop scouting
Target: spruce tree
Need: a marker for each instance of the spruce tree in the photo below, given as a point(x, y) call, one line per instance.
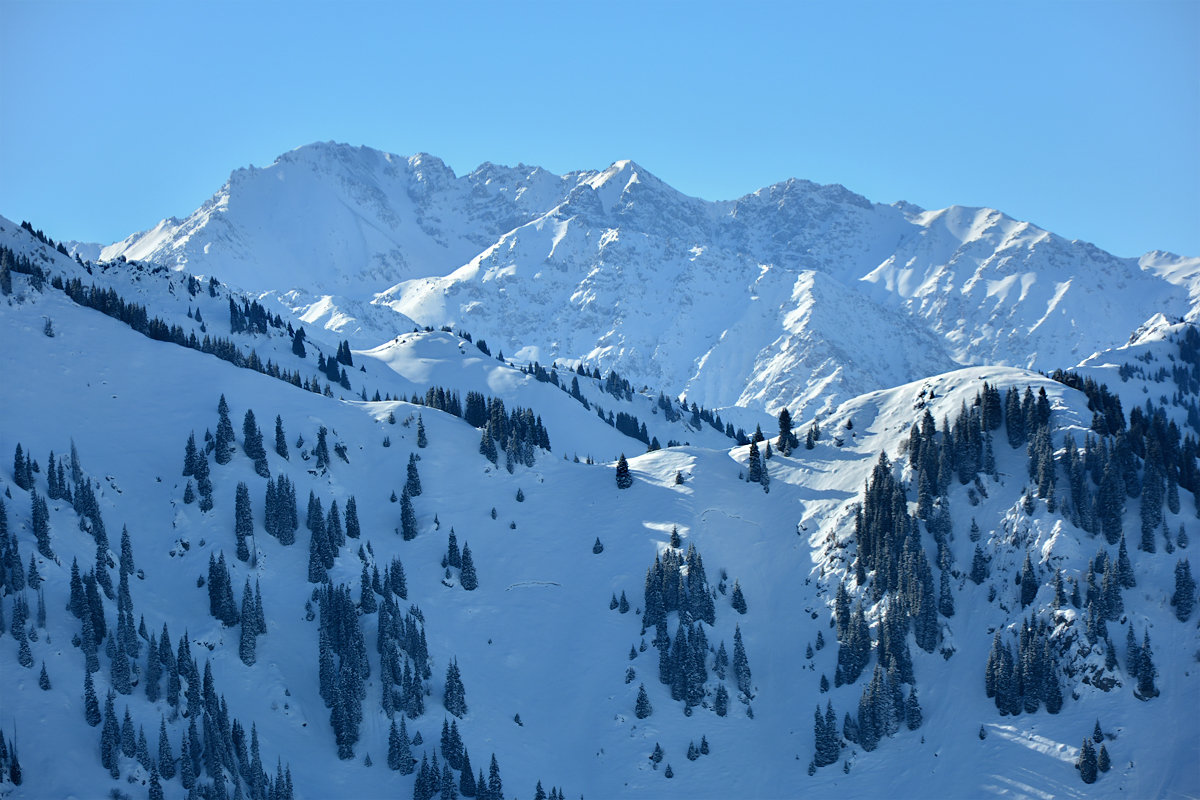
point(413, 484)
point(738, 600)
point(166, 761)
point(249, 631)
point(495, 785)
point(91, 707)
point(469, 580)
point(741, 666)
point(243, 521)
point(408, 517)
point(754, 465)
point(1087, 764)
point(1184, 597)
point(223, 451)
point(642, 708)
point(624, 479)
point(455, 697)
point(281, 445)
point(1146, 672)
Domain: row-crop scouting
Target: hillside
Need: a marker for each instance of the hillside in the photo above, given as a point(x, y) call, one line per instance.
point(762, 302)
point(537, 638)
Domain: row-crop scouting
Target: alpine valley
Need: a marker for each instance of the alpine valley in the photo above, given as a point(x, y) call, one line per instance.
point(370, 480)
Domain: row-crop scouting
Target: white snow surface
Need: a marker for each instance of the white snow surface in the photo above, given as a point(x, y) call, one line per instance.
point(537, 638)
point(765, 302)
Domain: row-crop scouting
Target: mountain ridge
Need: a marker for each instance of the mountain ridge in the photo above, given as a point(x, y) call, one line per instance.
point(535, 262)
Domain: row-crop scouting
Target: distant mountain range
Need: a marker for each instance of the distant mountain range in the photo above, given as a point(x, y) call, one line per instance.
point(797, 295)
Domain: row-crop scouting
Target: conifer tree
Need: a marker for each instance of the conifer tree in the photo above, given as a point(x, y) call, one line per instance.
point(784, 443)
point(91, 707)
point(624, 479)
point(455, 697)
point(469, 580)
point(754, 465)
point(1029, 582)
point(413, 484)
point(353, 529)
point(466, 785)
point(738, 600)
point(41, 526)
point(721, 701)
point(487, 447)
point(321, 450)
point(243, 521)
point(1146, 672)
point(495, 785)
point(1087, 764)
point(249, 631)
point(1184, 597)
point(979, 566)
point(224, 441)
point(912, 710)
point(408, 517)
point(166, 761)
point(945, 596)
point(281, 445)
point(642, 708)
point(741, 666)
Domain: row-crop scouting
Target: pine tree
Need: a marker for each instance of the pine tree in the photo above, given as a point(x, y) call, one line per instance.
point(166, 761)
point(249, 631)
point(624, 479)
point(754, 465)
point(469, 580)
point(642, 708)
point(408, 517)
point(455, 696)
point(413, 484)
point(1029, 582)
point(1103, 763)
point(281, 445)
point(912, 710)
point(738, 600)
point(741, 666)
point(721, 701)
point(784, 443)
point(1184, 597)
point(1087, 762)
point(487, 447)
point(1146, 672)
point(422, 441)
point(945, 596)
point(353, 529)
point(979, 566)
point(91, 707)
point(495, 786)
point(223, 451)
point(466, 785)
point(243, 521)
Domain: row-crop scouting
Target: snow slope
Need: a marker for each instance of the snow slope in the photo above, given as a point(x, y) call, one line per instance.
point(727, 302)
point(538, 638)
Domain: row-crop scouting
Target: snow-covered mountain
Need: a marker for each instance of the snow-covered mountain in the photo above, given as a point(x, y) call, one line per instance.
point(1004, 532)
point(767, 301)
point(109, 368)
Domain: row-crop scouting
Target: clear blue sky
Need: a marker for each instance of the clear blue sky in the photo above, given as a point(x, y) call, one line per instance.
point(1082, 117)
